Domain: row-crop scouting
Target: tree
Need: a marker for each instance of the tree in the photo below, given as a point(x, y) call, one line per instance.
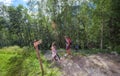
point(114, 23)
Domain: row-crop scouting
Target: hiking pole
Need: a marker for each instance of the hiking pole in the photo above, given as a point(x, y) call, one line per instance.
point(36, 43)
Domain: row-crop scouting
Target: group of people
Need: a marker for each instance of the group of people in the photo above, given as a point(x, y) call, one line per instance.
point(55, 56)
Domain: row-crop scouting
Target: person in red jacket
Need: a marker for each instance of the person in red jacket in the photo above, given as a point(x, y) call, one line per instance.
point(68, 45)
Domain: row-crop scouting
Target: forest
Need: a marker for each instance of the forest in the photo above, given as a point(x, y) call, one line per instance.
point(92, 25)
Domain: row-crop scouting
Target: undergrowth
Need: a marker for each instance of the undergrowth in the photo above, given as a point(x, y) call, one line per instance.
point(16, 61)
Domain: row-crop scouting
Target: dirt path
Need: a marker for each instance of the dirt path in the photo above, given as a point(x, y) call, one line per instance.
point(94, 65)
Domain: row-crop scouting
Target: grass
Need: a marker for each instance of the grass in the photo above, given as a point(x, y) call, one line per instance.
point(16, 61)
point(11, 50)
point(3, 63)
point(86, 52)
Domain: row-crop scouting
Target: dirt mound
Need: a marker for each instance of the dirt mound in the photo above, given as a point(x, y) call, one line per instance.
point(94, 65)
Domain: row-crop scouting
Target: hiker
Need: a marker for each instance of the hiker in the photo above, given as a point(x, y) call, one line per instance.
point(76, 47)
point(68, 45)
point(55, 56)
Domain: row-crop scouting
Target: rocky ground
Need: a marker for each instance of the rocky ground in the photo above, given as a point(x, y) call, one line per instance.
point(92, 65)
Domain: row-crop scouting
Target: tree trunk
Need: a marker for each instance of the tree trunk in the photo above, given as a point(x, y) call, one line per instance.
point(101, 40)
point(36, 43)
point(40, 61)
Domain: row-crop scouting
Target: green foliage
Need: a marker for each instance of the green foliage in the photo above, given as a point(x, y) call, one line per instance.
point(11, 50)
point(3, 63)
point(16, 61)
point(117, 49)
point(90, 24)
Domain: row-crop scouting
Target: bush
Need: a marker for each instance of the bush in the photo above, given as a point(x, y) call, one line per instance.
point(117, 49)
point(16, 61)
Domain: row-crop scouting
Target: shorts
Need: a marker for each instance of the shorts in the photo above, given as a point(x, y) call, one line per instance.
point(68, 47)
